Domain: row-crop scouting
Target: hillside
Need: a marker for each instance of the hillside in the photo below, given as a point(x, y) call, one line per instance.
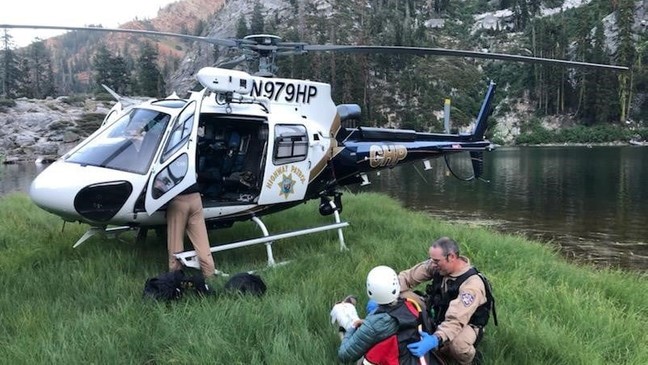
point(73, 52)
point(408, 91)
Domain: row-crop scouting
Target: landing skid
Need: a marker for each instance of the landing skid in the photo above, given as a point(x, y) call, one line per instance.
point(189, 258)
point(112, 232)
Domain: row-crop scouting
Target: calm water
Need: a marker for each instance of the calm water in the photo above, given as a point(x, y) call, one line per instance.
point(18, 177)
point(591, 202)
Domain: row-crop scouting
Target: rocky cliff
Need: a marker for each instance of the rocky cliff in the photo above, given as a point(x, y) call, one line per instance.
point(46, 129)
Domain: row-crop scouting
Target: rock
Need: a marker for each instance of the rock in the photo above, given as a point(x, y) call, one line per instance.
point(47, 159)
point(46, 148)
point(434, 23)
point(41, 128)
point(24, 138)
point(55, 138)
point(9, 160)
point(70, 137)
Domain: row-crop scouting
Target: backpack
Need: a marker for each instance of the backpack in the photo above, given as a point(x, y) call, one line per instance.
point(172, 285)
point(166, 286)
point(246, 283)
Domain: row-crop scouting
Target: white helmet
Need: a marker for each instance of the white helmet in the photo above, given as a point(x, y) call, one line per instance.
point(383, 285)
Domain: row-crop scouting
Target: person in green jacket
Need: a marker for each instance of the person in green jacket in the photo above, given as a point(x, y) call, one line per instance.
point(390, 332)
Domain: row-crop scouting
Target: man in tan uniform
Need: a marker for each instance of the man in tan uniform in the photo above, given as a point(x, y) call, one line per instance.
point(185, 213)
point(459, 299)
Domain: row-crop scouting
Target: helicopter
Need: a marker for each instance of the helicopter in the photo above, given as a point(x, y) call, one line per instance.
point(254, 143)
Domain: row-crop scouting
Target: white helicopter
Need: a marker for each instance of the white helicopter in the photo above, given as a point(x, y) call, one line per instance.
point(255, 144)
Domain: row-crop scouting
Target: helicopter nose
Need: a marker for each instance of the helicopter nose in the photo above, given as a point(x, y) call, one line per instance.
point(53, 190)
point(76, 192)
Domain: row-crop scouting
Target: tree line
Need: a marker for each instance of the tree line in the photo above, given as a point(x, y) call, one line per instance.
point(25, 74)
point(401, 90)
point(593, 95)
point(30, 72)
point(405, 88)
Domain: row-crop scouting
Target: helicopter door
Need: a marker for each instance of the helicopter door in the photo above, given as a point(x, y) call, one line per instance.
point(175, 169)
point(288, 168)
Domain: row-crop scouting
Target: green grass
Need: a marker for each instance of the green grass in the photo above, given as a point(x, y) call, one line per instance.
point(84, 305)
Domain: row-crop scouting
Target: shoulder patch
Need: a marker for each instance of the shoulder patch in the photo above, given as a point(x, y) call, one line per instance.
point(467, 299)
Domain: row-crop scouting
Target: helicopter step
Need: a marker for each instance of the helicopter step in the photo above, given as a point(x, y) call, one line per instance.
point(189, 258)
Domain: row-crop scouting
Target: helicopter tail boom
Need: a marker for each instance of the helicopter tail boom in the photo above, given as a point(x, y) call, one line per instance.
point(367, 148)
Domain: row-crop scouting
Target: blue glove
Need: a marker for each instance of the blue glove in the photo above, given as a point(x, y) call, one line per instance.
point(371, 306)
point(428, 343)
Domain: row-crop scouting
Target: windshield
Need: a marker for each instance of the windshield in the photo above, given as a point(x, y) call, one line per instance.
point(128, 145)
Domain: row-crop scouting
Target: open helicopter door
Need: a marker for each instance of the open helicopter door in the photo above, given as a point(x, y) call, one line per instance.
point(288, 164)
point(174, 168)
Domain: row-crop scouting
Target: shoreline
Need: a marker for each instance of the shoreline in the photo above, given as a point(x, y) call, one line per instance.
point(47, 159)
point(597, 144)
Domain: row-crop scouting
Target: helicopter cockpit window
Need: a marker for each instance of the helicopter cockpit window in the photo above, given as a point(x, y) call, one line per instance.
point(180, 133)
point(291, 144)
point(128, 144)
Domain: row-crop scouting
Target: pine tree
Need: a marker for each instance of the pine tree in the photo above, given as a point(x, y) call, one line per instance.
point(256, 23)
point(520, 14)
point(119, 74)
point(101, 63)
point(533, 6)
point(10, 76)
point(583, 44)
point(40, 76)
point(626, 53)
point(241, 27)
point(603, 89)
point(149, 78)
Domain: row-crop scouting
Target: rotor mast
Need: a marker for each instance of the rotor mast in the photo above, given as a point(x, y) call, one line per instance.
point(266, 48)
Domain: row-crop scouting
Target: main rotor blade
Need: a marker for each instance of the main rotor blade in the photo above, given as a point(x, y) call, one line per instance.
point(420, 51)
point(216, 41)
point(298, 47)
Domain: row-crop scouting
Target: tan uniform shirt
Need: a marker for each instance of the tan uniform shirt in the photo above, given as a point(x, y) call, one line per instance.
point(472, 294)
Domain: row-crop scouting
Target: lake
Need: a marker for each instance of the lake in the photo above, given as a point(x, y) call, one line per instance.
point(18, 177)
point(592, 203)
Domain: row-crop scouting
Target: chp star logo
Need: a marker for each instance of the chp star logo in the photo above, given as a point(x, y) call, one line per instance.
point(286, 186)
point(467, 299)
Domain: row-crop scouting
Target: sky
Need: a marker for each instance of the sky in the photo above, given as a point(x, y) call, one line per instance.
point(74, 13)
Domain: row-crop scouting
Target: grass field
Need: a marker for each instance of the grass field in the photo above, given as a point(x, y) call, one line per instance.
point(60, 305)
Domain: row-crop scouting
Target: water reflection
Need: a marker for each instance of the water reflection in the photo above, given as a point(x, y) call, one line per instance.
point(589, 201)
point(18, 177)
